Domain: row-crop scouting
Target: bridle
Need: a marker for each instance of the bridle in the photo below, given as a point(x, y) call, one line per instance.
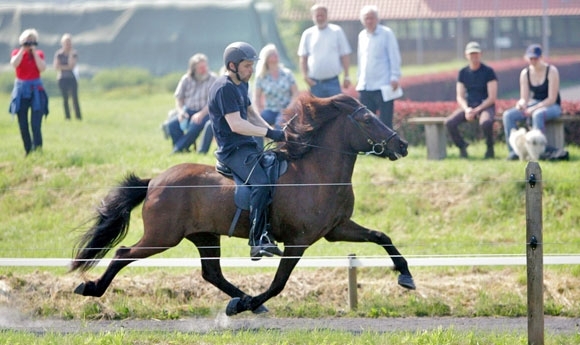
point(378, 147)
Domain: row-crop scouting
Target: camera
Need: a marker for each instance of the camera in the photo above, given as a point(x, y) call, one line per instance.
point(28, 44)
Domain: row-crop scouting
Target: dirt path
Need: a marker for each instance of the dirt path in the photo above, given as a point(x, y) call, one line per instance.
point(45, 288)
point(552, 325)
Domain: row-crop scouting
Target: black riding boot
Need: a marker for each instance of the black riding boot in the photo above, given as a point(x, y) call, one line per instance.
point(260, 241)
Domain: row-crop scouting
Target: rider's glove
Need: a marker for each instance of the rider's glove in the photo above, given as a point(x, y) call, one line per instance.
point(275, 134)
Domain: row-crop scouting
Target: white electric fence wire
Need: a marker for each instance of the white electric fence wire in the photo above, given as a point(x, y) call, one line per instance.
point(430, 182)
point(507, 260)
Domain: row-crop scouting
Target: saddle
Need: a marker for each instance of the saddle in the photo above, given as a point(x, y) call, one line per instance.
point(274, 168)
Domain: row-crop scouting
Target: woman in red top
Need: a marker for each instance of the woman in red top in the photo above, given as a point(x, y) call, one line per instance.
point(28, 92)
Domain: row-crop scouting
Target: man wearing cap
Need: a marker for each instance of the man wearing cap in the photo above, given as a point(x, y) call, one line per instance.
point(539, 95)
point(476, 92)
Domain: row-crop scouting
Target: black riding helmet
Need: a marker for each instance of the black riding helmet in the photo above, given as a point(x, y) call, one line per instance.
point(237, 52)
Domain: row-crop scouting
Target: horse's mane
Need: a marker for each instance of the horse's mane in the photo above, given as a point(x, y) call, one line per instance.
point(305, 116)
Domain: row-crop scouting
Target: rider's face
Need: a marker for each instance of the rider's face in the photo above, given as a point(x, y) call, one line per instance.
point(245, 70)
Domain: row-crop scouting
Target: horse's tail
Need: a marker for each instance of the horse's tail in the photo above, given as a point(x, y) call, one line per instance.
point(111, 223)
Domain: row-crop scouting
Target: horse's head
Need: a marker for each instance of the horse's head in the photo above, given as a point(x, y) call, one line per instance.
point(371, 136)
point(358, 131)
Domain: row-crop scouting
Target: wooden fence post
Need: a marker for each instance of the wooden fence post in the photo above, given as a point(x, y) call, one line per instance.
point(352, 283)
point(534, 254)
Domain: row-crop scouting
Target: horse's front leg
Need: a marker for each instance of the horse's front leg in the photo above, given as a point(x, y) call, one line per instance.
point(352, 232)
point(292, 255)
point(208, 246)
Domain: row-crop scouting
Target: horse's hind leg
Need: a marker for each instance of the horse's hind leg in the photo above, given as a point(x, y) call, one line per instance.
point(123, 257)
point(352, 232)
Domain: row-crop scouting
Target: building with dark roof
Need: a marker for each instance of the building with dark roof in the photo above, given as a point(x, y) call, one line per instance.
point(157, 35)
point(437, 30)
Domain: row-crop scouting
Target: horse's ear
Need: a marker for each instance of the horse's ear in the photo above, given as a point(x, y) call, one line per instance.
point(339, 101)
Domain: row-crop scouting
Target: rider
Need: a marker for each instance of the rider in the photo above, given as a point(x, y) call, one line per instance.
point(235, 123)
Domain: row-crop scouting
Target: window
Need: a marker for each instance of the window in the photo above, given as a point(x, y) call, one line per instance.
point(478, 28)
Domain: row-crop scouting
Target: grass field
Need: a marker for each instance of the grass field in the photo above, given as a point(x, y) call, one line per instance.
point(428, 208)
point(316, 337)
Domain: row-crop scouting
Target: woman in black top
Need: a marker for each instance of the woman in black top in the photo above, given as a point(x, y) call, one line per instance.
point(65, 60)
point(539, 95)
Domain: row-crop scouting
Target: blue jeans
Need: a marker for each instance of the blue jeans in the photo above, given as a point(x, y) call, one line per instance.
point(326, 88)
point(273, 119)
point(30, 144)
point(182, 141)
point(539, 117)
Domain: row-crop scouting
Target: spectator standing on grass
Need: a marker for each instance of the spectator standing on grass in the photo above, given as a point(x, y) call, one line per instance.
point(324, 51)
point(274, 88)
point(476, 92)
point(191, 96)
point(28, 92)
point(539, 96)
point(379, 64)
point(65, 61)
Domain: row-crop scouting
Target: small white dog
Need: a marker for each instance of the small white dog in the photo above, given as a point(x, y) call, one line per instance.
point(528, 145)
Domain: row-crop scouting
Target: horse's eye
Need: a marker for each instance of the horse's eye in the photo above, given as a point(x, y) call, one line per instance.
point(368, 120)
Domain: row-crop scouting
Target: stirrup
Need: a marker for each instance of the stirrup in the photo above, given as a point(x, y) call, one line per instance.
point(266, 246)
point(267, 249)
point(266, 238)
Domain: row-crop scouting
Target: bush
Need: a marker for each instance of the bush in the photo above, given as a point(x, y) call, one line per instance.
point(50, 83)
point(169, 81)
point(6, 82)
point(110, 79)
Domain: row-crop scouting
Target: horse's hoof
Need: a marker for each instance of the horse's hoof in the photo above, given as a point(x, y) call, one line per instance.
point(232, 308)
point(406, 281)
point(260, 310)
point(80, 290)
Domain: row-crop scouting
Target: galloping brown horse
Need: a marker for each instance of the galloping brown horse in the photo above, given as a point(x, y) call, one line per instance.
point(313, 200)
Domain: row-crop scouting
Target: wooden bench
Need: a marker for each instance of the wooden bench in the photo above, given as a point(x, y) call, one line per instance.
point(436, 133)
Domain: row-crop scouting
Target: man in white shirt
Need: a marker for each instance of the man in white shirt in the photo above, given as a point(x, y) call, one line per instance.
point(324, 52)
point(379, 64)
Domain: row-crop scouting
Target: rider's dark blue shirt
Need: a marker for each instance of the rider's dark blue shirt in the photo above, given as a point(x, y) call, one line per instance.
point(226, 97)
